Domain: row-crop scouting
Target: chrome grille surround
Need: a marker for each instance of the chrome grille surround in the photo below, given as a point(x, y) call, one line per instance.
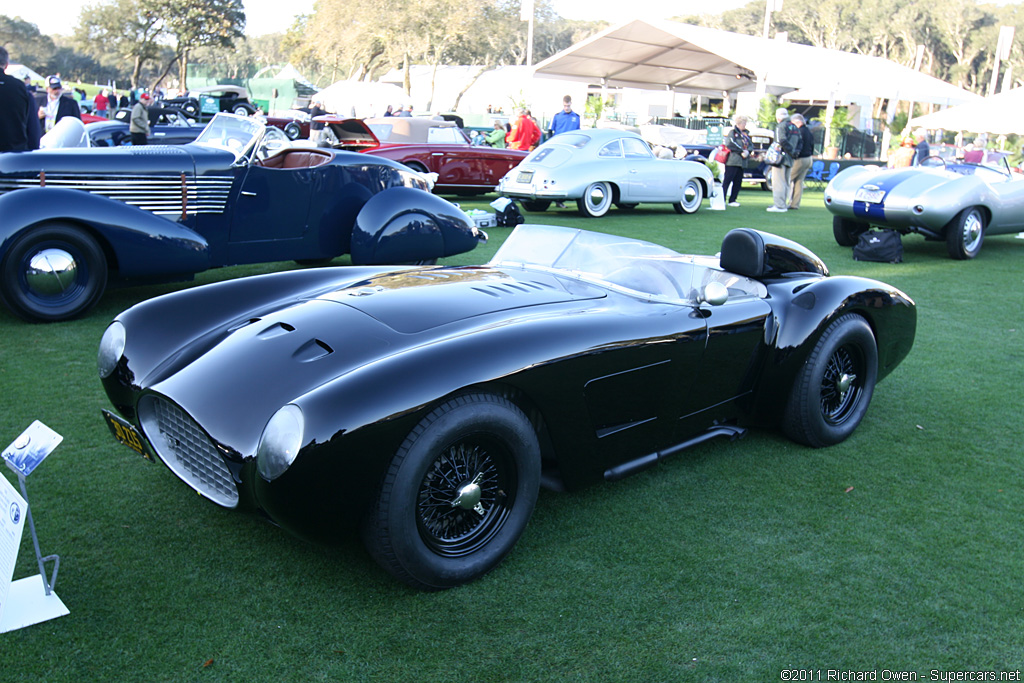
point(186, 449)
point(160, 195)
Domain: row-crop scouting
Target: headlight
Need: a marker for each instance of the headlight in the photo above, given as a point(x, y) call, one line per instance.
point(280, 443)
point(111, 348)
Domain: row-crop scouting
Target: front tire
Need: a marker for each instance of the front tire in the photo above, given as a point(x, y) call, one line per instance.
point(834, 386)
point(965, 234)
point(292, 130)
point(55, 272)
point(597, 199)
point(693, 195)
point(847, 232)
point(458, 493)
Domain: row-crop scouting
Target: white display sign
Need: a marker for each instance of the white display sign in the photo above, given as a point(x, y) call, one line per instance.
point(31, 448)
point(12, 522)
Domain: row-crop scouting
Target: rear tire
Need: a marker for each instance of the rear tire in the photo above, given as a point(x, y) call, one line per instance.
point(597, 199)
point(538, 205)
point(965, 234)
point(847, 232)
point(292, 130)
point(693, 195)
point(458, 493)
point(54, 272)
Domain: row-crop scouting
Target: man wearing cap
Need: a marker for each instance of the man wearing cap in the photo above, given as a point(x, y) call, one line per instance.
point(56, 105)
point(138, 124)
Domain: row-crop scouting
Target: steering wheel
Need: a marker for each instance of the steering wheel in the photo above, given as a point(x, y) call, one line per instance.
point(933, 161)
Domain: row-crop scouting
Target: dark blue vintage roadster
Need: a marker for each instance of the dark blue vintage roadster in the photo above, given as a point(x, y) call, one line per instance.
point(427, 405)
point(73, 219)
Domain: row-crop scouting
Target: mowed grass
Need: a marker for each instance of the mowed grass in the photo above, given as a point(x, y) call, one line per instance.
point(899, 549)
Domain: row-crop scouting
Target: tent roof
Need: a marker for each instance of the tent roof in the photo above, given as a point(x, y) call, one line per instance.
point(660, 54)
point(20, 71)
point(999, 115)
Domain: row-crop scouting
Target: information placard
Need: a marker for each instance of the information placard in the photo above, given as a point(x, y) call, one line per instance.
point(12, 523)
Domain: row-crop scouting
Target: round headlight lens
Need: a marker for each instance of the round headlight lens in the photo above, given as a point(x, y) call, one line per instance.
point(111, 349)
point(280, 443)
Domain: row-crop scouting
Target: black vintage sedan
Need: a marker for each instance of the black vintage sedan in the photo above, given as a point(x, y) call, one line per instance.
point(428, 405)
point(72, 219)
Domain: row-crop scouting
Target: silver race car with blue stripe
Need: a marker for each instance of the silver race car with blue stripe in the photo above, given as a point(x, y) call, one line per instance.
point(960, 203)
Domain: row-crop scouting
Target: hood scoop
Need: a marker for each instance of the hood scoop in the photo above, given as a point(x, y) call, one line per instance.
point(311, 350)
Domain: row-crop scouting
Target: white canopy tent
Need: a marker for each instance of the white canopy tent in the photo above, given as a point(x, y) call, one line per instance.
point(21, 71)
point(360, 98)
point(682, 58)
point(998, 115)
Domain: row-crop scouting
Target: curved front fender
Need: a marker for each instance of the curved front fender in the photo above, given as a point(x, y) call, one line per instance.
point(138, 243)
point(402, 225)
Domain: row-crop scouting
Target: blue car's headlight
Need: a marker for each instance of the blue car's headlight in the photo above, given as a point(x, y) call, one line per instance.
point(111, 349)
point(280, 442)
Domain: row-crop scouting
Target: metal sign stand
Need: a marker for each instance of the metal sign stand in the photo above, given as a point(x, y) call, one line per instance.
point(30, 600)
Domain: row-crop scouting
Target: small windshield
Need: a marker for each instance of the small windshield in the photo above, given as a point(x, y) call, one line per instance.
point(635, 265)
point(236, 134)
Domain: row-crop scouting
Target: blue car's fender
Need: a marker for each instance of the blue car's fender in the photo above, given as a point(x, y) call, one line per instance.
point(403, 224)
point(136, 242)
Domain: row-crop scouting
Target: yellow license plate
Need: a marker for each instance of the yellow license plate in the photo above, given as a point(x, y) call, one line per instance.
point(125, 433)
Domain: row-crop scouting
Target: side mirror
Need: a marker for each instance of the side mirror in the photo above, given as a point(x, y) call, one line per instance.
point(715, 294)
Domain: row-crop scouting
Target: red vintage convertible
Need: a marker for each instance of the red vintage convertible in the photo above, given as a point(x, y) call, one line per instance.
point(428, 146)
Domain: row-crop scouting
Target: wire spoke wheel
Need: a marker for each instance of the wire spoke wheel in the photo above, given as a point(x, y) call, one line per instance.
point(462, 501)
point(840, 391)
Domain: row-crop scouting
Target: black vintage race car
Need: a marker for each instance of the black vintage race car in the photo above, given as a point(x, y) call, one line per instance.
point(427, 405)
point(70, 219)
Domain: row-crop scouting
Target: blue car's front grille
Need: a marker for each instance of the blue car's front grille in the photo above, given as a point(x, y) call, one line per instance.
point(186, 449)
point(158, 194)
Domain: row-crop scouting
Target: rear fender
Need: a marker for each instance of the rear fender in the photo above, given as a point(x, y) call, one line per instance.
point(136, 242)
point(403, 225)
point(813, 305)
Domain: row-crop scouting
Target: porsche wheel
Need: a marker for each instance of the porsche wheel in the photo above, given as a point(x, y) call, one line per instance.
point(965, 233)
point(846, 231)
point(51, 273)
point(458, 493)
point(693, 195)
point(597, 199)
point(292, 130)
point(537, 205)
point(834, 387)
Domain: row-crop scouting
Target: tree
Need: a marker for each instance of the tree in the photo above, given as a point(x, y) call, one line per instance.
point(129, 28)
point(24, 42)
point(201, 23)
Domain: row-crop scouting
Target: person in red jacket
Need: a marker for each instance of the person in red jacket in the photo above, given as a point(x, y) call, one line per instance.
point(525, 134)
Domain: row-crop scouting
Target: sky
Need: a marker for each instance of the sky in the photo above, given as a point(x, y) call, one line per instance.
point(273, 16)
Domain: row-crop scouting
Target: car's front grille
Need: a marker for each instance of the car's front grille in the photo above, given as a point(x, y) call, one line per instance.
point(187, 450)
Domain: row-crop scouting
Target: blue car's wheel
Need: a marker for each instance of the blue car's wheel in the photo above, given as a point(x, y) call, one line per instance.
point(965, 234)
point(458, 493)
point(54, 272)
point(834, 386)
point(693, 195)
point(597, 199)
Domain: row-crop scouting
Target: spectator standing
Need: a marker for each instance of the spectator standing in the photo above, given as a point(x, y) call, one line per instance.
point(787, 135)
point(17, 110)
point(390, 111)
point(801, 162)
point(739, 146)
point(122, 102)
point(100, 103)
point(316, 128)
point(496, 137)
point(138, 125)
point(566, 119)
point(923, 151)
point(525, 134)
point(406, 111)
point(56, 106)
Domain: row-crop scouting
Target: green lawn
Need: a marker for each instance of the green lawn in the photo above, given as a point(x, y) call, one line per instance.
point(899, 549)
